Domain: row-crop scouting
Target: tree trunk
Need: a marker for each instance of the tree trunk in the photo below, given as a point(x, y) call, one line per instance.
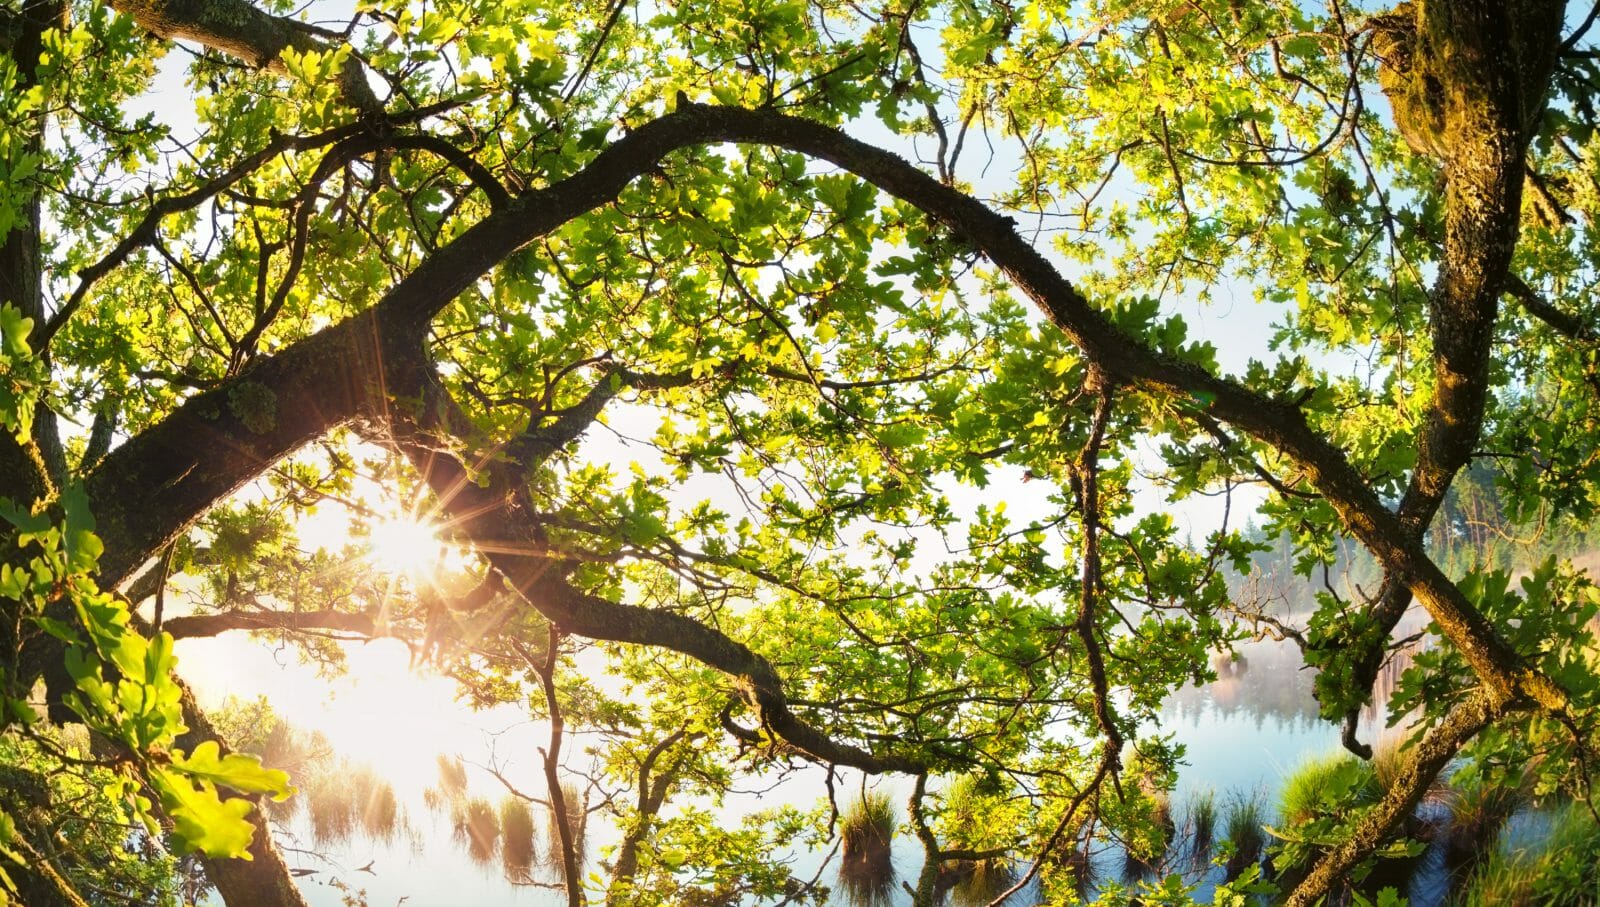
point(264, 879)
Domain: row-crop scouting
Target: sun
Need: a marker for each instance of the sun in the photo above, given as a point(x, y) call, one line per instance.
point(405, 545)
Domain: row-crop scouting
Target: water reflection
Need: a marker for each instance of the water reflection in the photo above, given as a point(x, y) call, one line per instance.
point(973, 883)
point(1254, 741)
point(338, 797)
point(866, 865)
point(1243, 736)
point(518, 850)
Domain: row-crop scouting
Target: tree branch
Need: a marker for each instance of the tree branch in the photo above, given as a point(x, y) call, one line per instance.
point(500, 510)
point(238, 29)
point(1427, 758)
point(165, 460)
point(204, 625)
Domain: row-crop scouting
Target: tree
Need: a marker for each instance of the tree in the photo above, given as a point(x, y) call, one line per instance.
point(476, 235)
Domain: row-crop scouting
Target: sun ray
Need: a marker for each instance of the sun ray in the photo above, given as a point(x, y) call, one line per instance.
point(405, 545)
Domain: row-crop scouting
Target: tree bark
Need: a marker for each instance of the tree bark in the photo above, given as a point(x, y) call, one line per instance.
point(239, 29)
point(263, 880)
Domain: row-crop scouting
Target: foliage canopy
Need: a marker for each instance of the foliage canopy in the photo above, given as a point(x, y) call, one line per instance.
point(722, 334)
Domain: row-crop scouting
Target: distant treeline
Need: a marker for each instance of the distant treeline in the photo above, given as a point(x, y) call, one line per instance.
point(1472, 531)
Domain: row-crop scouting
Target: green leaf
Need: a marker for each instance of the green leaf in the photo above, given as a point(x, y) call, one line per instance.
point(14, 330)
point(239, 771)
point(203, 821)
point(25, 521)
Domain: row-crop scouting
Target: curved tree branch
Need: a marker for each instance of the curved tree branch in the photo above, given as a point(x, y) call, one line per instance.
point(427, 433)
point(356, 358)
point(164, 459)
point(1426, 759)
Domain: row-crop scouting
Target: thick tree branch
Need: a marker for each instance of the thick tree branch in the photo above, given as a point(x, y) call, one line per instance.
point(148, 491)
point(1494, 60)
point(1422, 764)
point(32, 468)
point(238, 29)
point(180, 486)
point(203, 625)
point(1567, 325)
point(500, 511)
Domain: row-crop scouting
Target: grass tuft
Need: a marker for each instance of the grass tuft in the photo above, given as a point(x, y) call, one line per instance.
point(1202, 824)
point(517, 851)
point(1479, 809)
point(981, 882)
point(866, 832)
point(1563, 871)
point(1323, 786)
point(478, 825)
point(1245, 834)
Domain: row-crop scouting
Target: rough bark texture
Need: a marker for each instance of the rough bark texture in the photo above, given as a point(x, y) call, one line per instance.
point(151, 489)
point(238, 29)
point(1490, 66)
point(1423, 763)
point(1460, 69)
point(264, 879)
point(1482, 70)
point(34, 466)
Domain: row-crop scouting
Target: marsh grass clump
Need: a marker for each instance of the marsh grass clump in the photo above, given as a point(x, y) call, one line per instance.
point(1244, 834)
point(331, 808)
point(1147, 843)
point(1314, 800)
point(1563, 870)
point(1077, 860)
point(866, 834)
point(452, 777)
point(1325, 786)
point(1146, 853)
point(1388, 759)
point(372, 802)
point(517, 850)
point(478, 826)
point(1321, 795)
point(981, 882)
point(340, 798)
point(1479, 809)
point(381, 817)
point(1202, 824)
